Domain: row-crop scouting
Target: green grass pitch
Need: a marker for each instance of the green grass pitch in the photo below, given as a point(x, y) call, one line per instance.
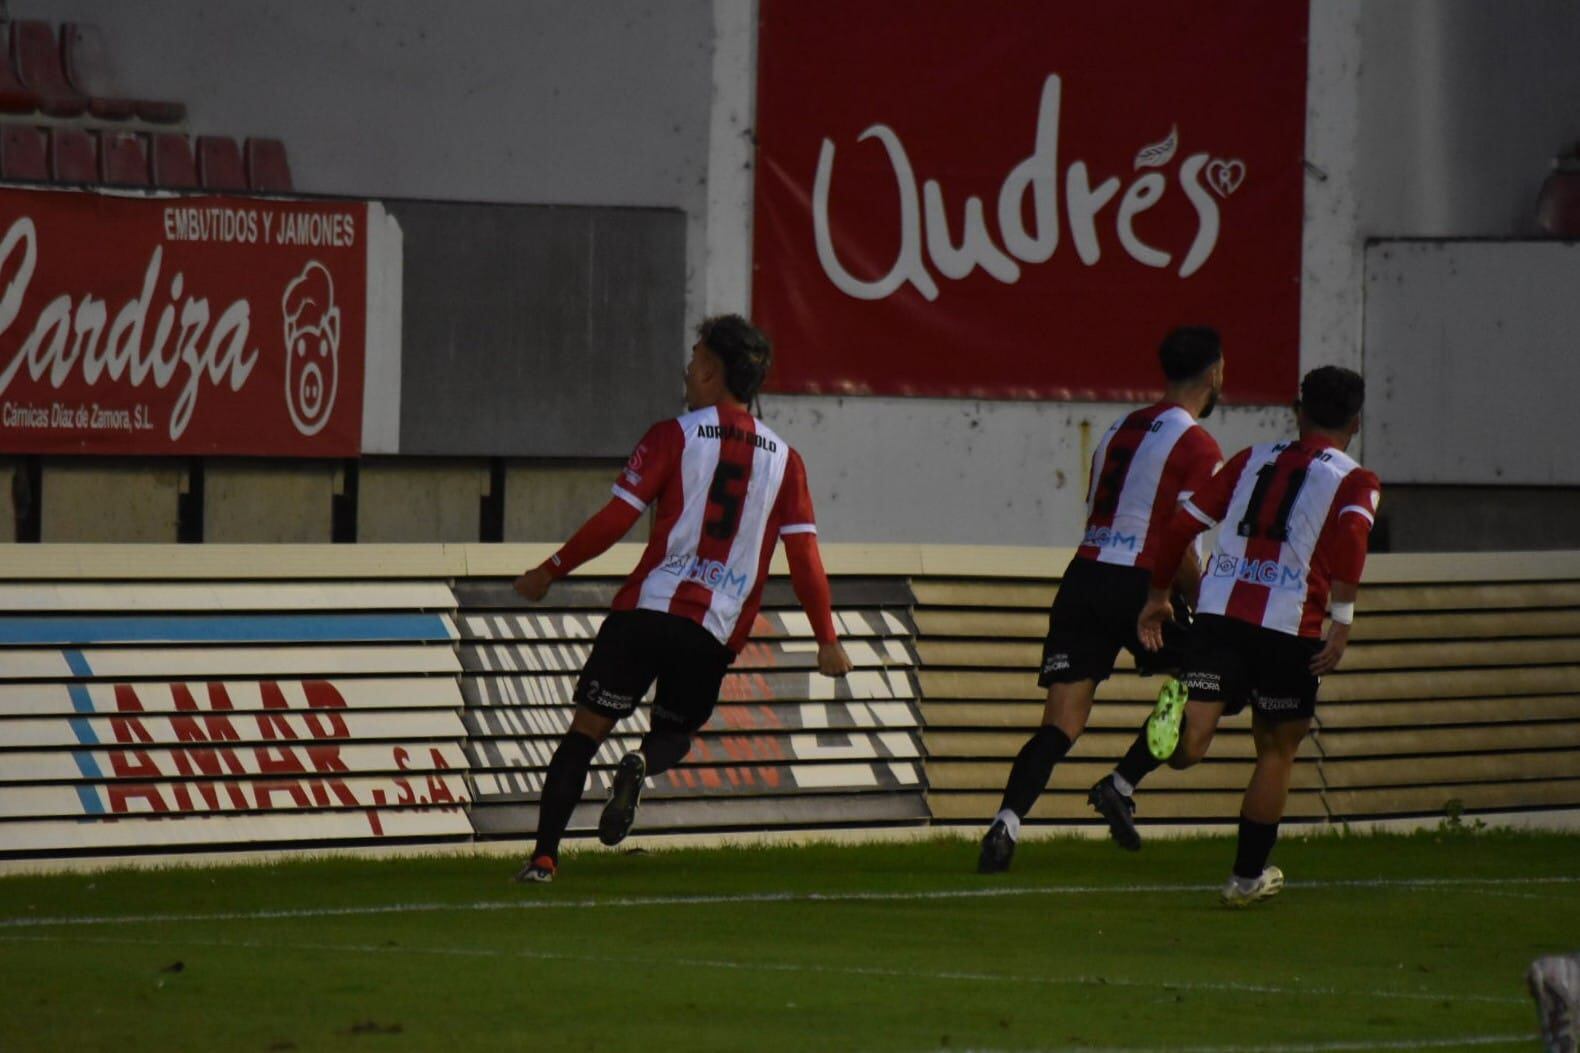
point(1379, 942)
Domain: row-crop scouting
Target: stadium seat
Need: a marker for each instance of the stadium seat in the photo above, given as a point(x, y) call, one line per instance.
point(37, 59)
point(219, 163)
point(85, 58)
point(73, 156)
point(267, 166)
point(174, 166)
point(157, 112)
point(123, 159)
point(1558, 204)
point(14, 95)
point(22, 153)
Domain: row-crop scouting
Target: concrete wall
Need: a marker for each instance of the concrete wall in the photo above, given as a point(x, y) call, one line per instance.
point(111, 500)
point(1463, 105)
point(258, 502)
point(401, 500)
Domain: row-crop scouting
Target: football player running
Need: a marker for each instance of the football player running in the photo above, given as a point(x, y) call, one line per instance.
point(1297, 516)
point(726, 490)
point(1146, 463)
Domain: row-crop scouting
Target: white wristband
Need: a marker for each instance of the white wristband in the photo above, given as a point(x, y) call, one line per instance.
point(1342, 613)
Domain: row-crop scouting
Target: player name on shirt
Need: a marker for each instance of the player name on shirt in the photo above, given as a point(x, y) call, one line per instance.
point(725, 431)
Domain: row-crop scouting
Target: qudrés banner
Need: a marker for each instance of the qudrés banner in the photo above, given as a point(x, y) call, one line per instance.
point(181, 325)
point(1017, 200)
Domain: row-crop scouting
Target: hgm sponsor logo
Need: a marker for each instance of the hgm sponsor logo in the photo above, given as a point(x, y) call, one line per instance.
point(1268, 572)
point(1108, 538)
point(719, 577)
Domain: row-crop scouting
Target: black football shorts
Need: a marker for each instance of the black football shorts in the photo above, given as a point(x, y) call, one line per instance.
point(1235, 662)
point(1094, 615)
point(635, 648)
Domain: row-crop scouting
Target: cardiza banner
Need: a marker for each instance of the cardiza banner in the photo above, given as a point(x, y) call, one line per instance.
point(137, 324)
point(1017, 200)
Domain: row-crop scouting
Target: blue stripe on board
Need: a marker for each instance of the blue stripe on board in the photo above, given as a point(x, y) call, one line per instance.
point(82, 702)
point(222, 628)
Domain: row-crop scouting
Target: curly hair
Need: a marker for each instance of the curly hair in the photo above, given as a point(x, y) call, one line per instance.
point(744, 349)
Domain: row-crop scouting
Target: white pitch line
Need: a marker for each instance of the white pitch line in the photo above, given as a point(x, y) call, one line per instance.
point(779, 967)
point(748, 897)
point(1308, 1047)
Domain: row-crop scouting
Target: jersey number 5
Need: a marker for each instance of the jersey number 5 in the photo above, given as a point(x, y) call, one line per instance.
point(725, 501)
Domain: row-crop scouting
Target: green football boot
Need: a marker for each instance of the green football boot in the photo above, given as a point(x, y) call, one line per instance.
point(1163, 726)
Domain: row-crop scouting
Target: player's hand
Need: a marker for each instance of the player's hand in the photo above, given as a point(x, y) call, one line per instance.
point(534, 584)
point(832, 659)
point(1327, 659)
point(1149, 625)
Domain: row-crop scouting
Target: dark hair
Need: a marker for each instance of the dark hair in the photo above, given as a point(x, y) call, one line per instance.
point(1189, 351)
point(743, 348)
point(1332, 396)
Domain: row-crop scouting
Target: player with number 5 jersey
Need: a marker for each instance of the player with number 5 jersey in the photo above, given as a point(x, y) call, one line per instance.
point(1296, 518)
point(724, 489)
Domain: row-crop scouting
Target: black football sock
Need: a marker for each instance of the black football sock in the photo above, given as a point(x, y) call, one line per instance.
point(1256, 844)
point(1033, 766)
point(562, 789)
point(664, 749)
point(1138, 762)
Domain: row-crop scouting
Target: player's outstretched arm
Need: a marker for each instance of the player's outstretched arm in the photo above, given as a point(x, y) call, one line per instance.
point(810, 582)
point(608, 525)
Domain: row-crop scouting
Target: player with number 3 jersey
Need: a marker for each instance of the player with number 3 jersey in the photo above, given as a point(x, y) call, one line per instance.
point(1296, 518)
point(1145, 464)
point(725, 489)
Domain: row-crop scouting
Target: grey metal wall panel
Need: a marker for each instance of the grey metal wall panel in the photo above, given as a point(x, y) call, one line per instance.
point(539, 331)
point(1469, 361)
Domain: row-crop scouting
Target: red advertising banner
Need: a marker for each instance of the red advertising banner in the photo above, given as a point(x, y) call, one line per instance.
point(181, 325)
point(1012, 200)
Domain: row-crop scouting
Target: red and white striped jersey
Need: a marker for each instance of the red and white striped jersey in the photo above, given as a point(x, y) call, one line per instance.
point(1146, 463)
point(1295, 517)
point(726, 488)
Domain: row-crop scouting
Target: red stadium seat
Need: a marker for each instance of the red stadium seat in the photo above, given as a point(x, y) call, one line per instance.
point(219, 163)
point(155, 112)
point(22, 153)
point(73, 156)
point(86, 58)
point(123, 159)
point(1558, 204)
point(37, 59)
point(14, 95)
point(173, 164)
point(267, 165)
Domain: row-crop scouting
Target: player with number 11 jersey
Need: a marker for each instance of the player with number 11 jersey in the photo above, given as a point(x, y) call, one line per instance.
point(1296, 517)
